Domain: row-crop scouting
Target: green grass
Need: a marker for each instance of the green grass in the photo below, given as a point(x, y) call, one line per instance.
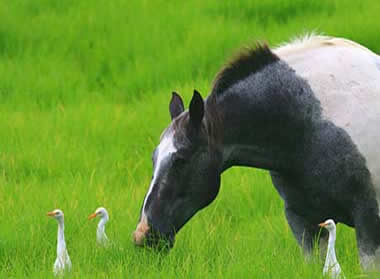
point(84, 91)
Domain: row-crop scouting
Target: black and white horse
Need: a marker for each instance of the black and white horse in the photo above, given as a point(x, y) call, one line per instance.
point(308, 111)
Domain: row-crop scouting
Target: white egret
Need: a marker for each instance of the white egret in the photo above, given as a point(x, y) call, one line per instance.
point(332, 266)
point(63, 261)
point(101, 236)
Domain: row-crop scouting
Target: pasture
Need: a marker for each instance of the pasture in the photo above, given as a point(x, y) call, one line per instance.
point(84, 93)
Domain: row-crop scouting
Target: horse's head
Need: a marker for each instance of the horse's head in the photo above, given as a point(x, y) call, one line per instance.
point(186, 172)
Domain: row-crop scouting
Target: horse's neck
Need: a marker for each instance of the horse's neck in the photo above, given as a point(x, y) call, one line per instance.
point(257, 137)
point(267, 118)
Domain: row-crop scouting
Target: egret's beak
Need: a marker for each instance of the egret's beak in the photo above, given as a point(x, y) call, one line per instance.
point(93, 215)
point(322, 225)
point(50, 213)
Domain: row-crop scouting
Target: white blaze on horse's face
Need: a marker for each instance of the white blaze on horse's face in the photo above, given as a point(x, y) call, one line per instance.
point(163, 151)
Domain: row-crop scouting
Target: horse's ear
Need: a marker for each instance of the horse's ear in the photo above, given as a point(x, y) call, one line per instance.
point(196, 109)
point(176, 105)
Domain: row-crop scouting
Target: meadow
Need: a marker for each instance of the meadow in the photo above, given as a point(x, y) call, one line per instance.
point(84, 93)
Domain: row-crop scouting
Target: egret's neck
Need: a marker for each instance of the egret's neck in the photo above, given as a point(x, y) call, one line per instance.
point(100, 233)
point(331, 257)
point(61, 244)
point(102, 223)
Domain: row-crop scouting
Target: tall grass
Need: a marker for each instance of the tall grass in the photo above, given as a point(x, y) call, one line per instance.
point(84, 90)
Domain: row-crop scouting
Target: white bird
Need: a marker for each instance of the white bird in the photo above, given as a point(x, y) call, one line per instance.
point(63, 261)
point(332, 266)
point(101, 236)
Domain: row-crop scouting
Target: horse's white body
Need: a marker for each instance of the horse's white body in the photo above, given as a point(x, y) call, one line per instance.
point(345, 77)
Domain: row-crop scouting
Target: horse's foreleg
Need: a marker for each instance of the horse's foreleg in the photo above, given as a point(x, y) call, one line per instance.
point(305, 232)
point(367, 227)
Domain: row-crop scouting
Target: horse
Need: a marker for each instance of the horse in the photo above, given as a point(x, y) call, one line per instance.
point(308, 112)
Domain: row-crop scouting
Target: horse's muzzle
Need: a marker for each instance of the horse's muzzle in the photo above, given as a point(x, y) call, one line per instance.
point(145, 235)
point(141, 232)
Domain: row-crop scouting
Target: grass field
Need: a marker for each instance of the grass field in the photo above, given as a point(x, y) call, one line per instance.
point(84, 92)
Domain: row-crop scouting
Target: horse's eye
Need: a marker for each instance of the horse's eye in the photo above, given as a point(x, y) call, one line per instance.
point(180, 160)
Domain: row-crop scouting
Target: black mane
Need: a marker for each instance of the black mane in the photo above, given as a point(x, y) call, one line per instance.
point(247, 62)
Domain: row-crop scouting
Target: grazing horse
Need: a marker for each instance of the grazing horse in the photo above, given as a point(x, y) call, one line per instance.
point(308, 111)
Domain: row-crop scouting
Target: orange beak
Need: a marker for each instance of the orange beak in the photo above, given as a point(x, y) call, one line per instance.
point(93, 215)
point(50, 213)
point(322, 225)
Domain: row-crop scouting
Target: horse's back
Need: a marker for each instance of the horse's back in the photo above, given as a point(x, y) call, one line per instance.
point(345, 77)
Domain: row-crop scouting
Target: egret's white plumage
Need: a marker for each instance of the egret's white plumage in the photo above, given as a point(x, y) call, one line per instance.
point(101, 236)
point(63, 261)
point(332, 266)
